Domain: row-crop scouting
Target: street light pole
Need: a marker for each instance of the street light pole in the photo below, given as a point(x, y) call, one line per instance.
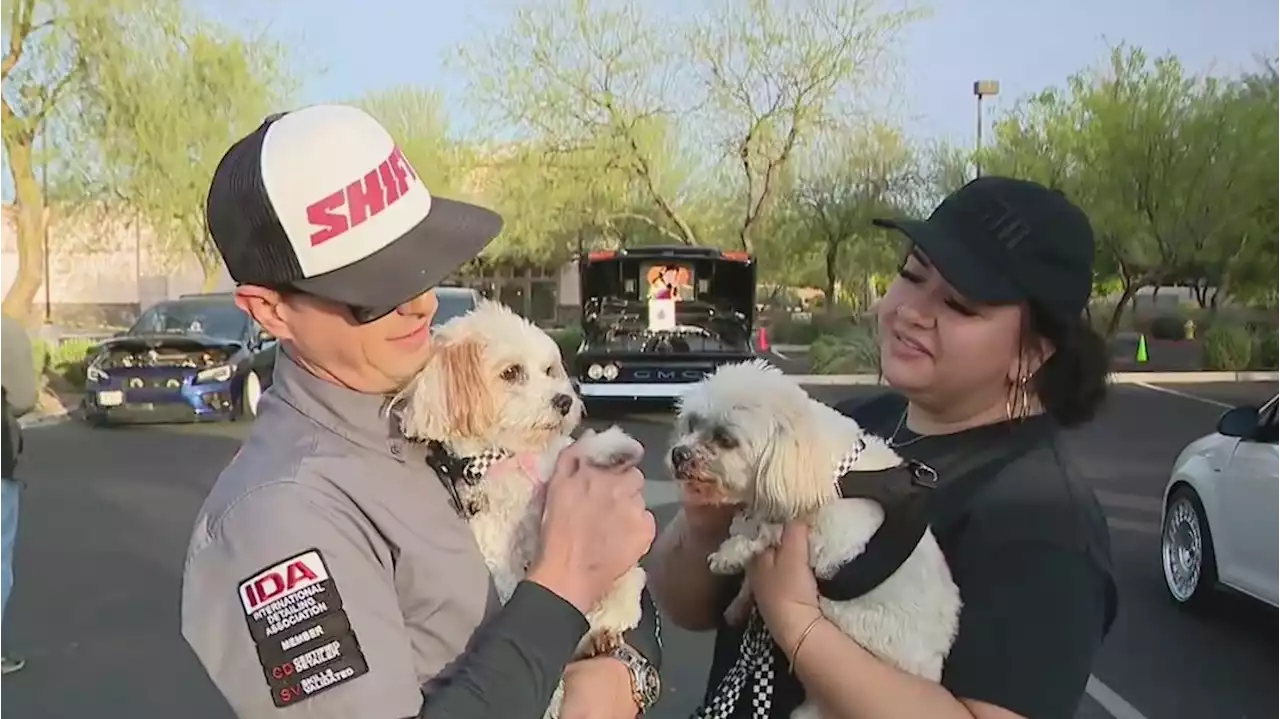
point(982, 88)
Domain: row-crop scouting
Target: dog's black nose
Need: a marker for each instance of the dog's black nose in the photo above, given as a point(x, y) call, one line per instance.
point(562, 403)
point(680, 456)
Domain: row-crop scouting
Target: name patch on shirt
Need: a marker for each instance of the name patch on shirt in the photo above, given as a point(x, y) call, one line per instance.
point(302, 634)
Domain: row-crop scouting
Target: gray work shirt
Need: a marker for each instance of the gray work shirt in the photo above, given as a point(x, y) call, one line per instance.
point(328, 573)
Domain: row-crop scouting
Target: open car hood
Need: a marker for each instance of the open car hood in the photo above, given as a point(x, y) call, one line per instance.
point(176, 342)
point(723, 286)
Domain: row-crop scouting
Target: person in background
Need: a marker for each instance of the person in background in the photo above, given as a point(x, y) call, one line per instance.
point(20, 389)
point(328, 573)
point(984, 343)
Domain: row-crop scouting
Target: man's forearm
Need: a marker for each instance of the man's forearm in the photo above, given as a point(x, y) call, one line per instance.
point(682, 583)
point(516, 662)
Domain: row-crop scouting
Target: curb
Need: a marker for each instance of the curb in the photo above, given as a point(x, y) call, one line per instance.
point(836, 380)
point(44, 420)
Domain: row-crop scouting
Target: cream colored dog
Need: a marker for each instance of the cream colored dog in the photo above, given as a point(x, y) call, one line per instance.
point(495, 389)
point(750, 435)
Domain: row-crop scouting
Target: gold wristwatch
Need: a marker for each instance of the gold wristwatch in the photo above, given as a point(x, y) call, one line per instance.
point(646, 685)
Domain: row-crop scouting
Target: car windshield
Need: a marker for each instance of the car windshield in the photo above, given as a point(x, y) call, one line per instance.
point(452, 305)
point(193, 318)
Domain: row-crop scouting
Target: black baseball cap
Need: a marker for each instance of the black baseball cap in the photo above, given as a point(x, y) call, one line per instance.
point(999, 240)
point(321, 200)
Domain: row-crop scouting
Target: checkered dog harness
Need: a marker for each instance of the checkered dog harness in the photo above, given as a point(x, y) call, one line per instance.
point(453, 470)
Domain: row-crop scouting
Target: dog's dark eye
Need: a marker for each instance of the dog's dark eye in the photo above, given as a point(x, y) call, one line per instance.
point(513, 373)
point(553, 370)
point(723, 439)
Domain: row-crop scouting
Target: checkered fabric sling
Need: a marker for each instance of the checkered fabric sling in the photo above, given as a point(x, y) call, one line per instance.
point(753, 672)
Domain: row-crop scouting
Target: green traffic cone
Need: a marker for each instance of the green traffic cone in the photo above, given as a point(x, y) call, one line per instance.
point(1142, 349)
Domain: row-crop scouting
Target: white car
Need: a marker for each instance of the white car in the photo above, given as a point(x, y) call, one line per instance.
point(1220, 511)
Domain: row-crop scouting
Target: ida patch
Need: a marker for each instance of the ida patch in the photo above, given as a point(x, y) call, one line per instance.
point(301, 632)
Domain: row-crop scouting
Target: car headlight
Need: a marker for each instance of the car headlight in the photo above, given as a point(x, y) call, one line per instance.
point(95, 374)
point(611, 372)
point(595, 371)
point(214, 374)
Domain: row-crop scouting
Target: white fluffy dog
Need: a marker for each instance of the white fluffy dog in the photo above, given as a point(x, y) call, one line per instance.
point(494, 395)
point(750, 435)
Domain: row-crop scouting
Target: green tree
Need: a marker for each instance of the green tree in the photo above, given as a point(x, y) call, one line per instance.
point(553, 201)
point(416, 118)
point(946, 168)
point(159, 120)
point(1255, 271)
point(1168, 165)
point(47, 48)
point(843, 184)
point(765, 77)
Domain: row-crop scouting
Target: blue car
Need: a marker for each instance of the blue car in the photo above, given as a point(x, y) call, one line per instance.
point(192, 359)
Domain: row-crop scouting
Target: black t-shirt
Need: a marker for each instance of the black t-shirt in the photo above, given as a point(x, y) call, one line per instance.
point(1031, 555)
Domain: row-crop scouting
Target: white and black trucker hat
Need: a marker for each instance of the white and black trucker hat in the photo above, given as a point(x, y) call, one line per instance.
point(321, 200)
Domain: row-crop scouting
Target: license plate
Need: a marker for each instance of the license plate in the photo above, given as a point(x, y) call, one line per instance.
point(111, 398)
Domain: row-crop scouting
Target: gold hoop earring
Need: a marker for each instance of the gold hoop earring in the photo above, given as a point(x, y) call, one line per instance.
point(1018, 402)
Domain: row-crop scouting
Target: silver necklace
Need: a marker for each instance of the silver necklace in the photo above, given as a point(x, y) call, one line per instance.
point(893, 438)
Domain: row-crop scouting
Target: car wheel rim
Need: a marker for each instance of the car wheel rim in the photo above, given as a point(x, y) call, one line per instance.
point(252, 392)
point(1182, 545)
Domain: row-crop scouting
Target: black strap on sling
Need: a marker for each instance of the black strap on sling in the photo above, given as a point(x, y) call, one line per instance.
point(449, 471)
point(914, 500)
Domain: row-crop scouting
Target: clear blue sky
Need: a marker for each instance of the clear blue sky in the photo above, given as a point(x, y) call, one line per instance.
point(1025, 44)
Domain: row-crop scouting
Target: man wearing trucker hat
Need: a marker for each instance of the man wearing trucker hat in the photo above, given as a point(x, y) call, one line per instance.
point(328, 574)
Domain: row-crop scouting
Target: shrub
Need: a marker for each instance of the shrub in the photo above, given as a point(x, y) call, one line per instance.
point(852, 351)
point(1228, 348)
point(786, 330)
point(39, 356)
point(1267, 350)
point(68, 362)
point(569, 339)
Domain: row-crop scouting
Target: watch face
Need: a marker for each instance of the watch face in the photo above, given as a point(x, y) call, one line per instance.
point(650, 684)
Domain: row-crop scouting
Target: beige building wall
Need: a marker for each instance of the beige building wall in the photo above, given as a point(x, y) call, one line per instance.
point(100, 259)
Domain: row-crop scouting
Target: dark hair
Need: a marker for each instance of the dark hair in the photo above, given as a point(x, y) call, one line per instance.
point(1072, 384)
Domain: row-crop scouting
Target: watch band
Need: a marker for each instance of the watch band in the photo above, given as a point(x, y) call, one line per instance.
point(646, 685)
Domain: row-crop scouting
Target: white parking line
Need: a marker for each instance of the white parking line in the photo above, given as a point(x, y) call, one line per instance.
point(778, 354)
point(1115, 704)
point(1184, 395)
point(1122, 500)
point(1129, 525)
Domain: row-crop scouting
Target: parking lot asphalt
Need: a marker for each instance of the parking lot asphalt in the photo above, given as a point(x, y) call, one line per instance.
point(107, 512)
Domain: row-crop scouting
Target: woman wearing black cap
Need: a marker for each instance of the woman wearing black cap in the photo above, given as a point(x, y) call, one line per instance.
point(984, 343)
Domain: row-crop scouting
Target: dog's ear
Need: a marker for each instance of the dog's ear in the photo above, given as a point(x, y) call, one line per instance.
point(790, 480)
point(448, 398)
point(468, 400)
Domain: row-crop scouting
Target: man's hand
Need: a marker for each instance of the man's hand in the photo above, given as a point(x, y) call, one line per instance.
point(585, 503)
point(598, 688)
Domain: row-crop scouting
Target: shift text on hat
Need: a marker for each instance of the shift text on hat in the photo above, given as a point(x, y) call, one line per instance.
point(342, 210)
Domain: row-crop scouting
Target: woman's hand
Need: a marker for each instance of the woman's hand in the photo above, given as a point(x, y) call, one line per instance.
point(784, 588)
